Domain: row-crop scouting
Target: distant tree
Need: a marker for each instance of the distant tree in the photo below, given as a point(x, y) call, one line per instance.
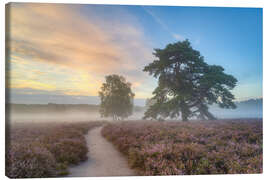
point(116, 98)
point(187, 84)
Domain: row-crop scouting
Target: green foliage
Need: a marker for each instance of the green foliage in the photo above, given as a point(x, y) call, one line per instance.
point(116, 97)
point(187, 84)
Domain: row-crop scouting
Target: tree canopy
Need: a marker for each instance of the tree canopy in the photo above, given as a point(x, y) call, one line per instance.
point(116, 98)
point(187, 84)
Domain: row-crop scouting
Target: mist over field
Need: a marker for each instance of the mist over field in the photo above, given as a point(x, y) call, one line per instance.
point(63, 117)
point(252, 108)
point(59, 113)
point(82, 112)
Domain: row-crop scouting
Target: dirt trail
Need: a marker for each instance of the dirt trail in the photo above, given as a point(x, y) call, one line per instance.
point(103, 159)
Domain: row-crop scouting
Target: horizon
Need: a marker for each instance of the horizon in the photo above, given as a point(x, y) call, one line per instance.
point(44, 64)
point(96, 101)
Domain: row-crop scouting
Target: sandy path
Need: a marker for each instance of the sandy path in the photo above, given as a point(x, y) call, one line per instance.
point(103, 159)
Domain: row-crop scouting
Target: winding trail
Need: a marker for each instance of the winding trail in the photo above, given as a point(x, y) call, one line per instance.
point(103, 159)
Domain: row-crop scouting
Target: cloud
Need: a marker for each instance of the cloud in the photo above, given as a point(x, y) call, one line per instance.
point(197, 41)
point(177, 36)
point(59, 47)
point(162, 24)
point(32, 83)
point(33, 96)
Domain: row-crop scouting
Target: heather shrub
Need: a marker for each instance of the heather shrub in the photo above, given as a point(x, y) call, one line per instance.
point(201, 147)
point(136, 159)
point(45, 150)
point(70, 151)
point(30, 160)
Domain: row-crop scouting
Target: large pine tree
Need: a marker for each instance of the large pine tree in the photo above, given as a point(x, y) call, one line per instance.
point(187, 84)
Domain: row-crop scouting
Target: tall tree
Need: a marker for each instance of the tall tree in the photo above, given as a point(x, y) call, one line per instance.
point(116, 98)
point(187, 84)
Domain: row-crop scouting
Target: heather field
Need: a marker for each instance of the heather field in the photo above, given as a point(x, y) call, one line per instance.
point(45, 149)
point(182, 148)
point(109, 90)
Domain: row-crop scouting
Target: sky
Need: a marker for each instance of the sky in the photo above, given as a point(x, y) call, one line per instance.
point(61, 53)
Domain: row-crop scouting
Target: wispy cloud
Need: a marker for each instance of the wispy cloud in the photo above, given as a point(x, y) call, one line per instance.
point(197, 41)
point(57, 47)
point(162, 24)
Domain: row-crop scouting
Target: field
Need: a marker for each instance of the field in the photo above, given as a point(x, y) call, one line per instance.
point(45, 149)
point(101, 90)
point(180, 148)
point(151, 148)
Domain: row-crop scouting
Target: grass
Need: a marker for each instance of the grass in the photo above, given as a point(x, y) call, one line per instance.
point(45, 150)
point(183, 148)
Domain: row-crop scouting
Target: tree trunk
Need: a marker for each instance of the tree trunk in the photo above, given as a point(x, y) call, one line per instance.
point(184, 116)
